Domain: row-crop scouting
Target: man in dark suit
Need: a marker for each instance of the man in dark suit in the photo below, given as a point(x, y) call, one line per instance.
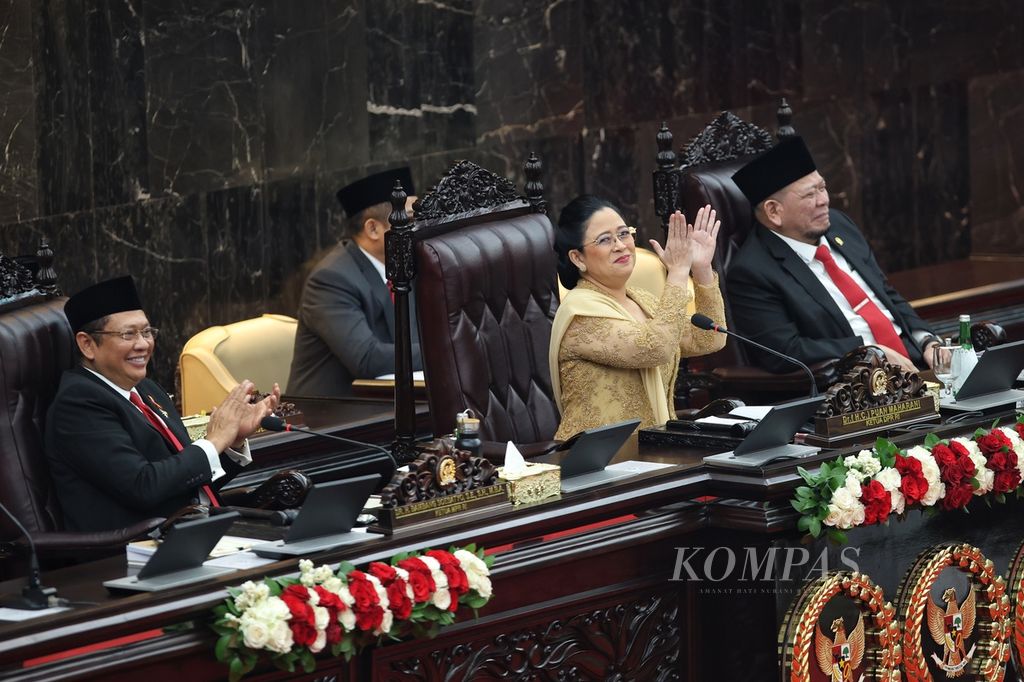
point(805, 281)
point(346, 316)
point(117, 449)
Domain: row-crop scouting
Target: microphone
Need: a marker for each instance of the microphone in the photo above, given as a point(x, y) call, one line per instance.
point(33, 596)
point(273, 423)
point(707, 324)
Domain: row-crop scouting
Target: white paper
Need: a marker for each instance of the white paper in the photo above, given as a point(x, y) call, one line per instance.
point(636, 466)
point(17, 615)
point(514, 464)
point(751, 412)
point(239, 560)
point(416, 376)
point(720, 421)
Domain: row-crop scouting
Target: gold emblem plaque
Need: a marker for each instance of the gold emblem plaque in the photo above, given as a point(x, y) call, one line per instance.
point(970, 631)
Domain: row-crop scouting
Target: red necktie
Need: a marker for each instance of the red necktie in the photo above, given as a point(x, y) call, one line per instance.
point(391, 290)
point(881, 328)
point(168, 435)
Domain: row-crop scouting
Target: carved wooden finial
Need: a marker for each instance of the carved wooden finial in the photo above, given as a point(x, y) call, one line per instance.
point(534, 187)
point(784, 115)
point(666, 155)
point(46, 276)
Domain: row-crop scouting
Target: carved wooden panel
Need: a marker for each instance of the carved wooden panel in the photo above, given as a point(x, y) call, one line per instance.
point(725, 138)
point(466, 187)
point(636, 640)
point(14, 278)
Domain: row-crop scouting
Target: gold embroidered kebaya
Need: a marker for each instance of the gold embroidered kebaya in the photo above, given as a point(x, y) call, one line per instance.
point(612, 367)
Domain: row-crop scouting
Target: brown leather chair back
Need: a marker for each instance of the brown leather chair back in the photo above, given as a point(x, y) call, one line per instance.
point(486, 297)
point(36, 346)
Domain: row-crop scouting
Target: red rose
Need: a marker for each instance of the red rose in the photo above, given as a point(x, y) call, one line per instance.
point(444, 558)
point(1020, 428)
point(959, 449)
point(908, 465)
point(382, 572)
point(967, 468)
point(994, 441)
point(398, 600)
point(1006, 481)
point(913, 488)
point(877, 503)
point(997, 461)
point(419, 578)
point(333, 632)
point(303, 621)
point(957, 496)
point(944, 455)
point(362, 591)
point(1011, 459)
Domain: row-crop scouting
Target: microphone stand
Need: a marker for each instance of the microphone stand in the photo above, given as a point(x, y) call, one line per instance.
point(272, 423)
point(706, 323)
point(33, 596)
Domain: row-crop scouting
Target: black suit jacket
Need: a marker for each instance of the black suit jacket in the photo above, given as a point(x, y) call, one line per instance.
point(776, 300)
point(346, 327)
point(111, 468)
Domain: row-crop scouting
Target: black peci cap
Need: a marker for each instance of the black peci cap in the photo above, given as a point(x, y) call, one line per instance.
point(374, 189)
point(106, 298)
point(786, 162)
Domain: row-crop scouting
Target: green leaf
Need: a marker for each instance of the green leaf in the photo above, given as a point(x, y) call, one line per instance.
point(222, 650)
point(931, 440)
point(1000, 498)
point(806, 475)
point(975, 483)
point(995, 424)
point(804, 524)
point(307, 661)
point(980, 432)
point(235, 669)
point(815, 527)
point(837, 536)
point(803, 491)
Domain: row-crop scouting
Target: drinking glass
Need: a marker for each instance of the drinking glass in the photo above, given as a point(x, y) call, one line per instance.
point(942, 365)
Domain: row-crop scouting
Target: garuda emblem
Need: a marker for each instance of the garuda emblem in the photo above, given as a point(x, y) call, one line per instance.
point(838, 658)
point(951, 629)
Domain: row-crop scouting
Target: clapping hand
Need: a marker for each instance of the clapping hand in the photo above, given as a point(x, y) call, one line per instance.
point(236, 418)
point(689, 246)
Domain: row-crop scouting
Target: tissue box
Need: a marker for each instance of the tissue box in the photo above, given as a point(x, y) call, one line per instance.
point(536, 482)
point(196, 425)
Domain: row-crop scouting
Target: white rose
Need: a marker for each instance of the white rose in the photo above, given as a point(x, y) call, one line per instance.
point(930, 471)
point(868, 462)
point(347, 618)
point(319, 643)
point(844, 499)
point(385, 623)
point(852, 483)
point(313, 598)
point(255, 632)
point(899, 502)
point(251, 594)
point(476, 572)
point(442, 598)
point(280, 638)
point(321, 617)
point(333, 584)
point(889, 478)
point(986, 477)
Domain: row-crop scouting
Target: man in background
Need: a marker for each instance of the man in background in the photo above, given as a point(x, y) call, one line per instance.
point(805, 281)
point(346, 315)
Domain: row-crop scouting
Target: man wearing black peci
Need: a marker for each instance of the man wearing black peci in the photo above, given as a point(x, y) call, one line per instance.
point(346, 316)
point(117, 449)
point(805, 281)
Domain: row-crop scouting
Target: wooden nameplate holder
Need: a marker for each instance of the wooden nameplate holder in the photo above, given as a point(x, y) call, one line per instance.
point(440, 482)
point(871, 396)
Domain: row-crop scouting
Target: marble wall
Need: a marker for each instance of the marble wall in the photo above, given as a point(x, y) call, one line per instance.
point(198, 145)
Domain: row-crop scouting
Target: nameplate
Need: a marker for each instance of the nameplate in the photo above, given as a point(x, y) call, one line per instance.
point(441, 507)
point(881, 417)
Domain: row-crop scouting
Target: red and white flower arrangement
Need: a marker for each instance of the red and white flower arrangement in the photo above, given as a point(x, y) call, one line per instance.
point(290, 620)
point(866, 488)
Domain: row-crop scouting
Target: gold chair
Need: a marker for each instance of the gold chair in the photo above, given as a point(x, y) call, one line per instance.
point(216, 359)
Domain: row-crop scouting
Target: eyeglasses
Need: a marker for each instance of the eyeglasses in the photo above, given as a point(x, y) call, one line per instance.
point(148, 334)
point(623, 234)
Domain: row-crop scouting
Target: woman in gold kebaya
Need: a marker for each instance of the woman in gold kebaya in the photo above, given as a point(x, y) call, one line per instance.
point(615, 350)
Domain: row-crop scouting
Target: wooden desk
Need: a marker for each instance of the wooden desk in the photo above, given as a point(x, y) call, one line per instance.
point(584, 581)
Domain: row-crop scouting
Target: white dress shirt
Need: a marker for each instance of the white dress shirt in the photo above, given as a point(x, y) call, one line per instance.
point(857, 323)
point(243, 458)
point(378, 266)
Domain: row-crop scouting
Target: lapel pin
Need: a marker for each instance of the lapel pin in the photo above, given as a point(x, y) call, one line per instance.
point(839, 241)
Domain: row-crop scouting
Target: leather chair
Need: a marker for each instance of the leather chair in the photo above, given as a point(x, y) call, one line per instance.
point(216, 359)
point(486, 297)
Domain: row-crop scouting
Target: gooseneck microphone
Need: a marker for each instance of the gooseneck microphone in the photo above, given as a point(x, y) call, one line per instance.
point(707, 324)
point(272, 423)
point(33, 596)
